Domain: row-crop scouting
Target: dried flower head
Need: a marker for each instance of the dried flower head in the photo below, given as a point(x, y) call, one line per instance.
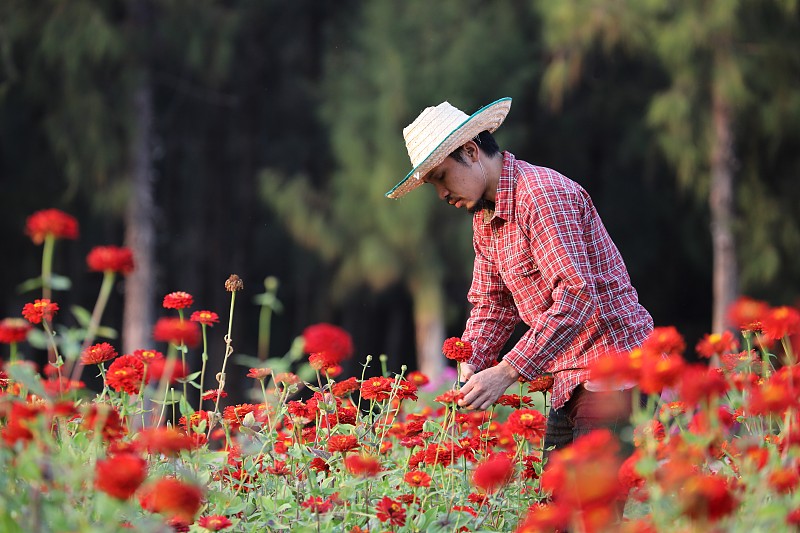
point(234, 283)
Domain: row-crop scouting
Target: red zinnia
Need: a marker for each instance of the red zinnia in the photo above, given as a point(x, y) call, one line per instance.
point(172, 497)
point(417, 478)
point(377, 388)
point(98, 353)
point(717, 344)
point(214, 522)
point(39, 310)
point(362, 465)
point(321, 361)
point(707, 496)
point(456, 349)
point(148, 356)
point(158, 367)
point(389, 510)
point(541, 384)
point(343, 388)
point(493, 473)
point(110, 259)
point(178, 300)
point(125, 374)
point(164, 440)
point(13, 330)
point(120, 475)
point(176, 331)
point(746, 313)
point(207, 318)
point(781, 322)
point(528, 423)
point(51, 222)
point(449, 397)
point(418, 378)
point(342, 443)
point(317, 504)
point(331, 340)
point(259, 373)
point(664, 340)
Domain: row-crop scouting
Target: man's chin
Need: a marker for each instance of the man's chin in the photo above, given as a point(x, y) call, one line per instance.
point(480, 205)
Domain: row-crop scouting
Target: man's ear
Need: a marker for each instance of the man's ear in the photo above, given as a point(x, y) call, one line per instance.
point(471, 149)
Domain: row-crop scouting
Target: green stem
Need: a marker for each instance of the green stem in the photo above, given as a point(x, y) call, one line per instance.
point(94, 322)
point(47, 265)
point(228, 352)
point(204, 359)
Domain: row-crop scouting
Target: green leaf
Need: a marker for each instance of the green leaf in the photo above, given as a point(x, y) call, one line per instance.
point(60, 283)
point(185, 408)
point(29, 285)
point(25, 375)
point(82, 315)
point(107, 332)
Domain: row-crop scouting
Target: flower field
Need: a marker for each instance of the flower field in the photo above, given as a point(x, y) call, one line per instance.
point(716, 446)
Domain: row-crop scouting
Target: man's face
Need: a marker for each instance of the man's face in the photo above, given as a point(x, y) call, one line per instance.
point(459, 184)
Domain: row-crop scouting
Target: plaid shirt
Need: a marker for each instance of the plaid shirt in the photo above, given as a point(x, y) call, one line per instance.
point(544, 257)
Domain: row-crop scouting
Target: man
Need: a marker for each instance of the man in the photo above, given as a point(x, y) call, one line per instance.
point(542, 256)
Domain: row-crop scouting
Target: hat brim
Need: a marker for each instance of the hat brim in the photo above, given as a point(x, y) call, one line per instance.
point(488, 118)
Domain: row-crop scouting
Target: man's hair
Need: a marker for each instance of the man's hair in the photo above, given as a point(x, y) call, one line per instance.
point(486, 143)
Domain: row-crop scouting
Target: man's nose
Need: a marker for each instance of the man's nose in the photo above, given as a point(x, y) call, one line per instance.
point(442, 192)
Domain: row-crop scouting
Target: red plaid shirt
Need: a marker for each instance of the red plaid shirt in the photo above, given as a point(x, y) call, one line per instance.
point(544, 257)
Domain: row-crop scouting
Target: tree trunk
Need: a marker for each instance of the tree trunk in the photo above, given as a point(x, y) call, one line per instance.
point(429, 327)
point(721, 200)
point(138, 315)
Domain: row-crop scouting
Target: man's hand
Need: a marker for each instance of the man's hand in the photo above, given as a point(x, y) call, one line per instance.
point(485, 387)
point(467, 371)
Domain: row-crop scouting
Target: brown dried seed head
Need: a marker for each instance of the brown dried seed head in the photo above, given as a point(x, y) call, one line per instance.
point(234, 283)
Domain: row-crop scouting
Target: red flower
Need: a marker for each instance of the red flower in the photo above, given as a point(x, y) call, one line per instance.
point(51, 222)
point(717, 344)
point(178, 300)
point(214, 522)
point(493, 473)
point(158, 367)
point(659, 372)
point(105, 419)
point(449, 396)
point(541, 384)
point(345, 387)
point(342, 443)
point(321, 361)
point(746, 313)
point(110, 259)
point(389, 510)
point(214, 394)
point(406, 390)
point(164, 440)
point(417, 478)
point(98, 353)
point(781, 322)
point(707, 497)
point(362, 465)
point(279, 468)
point(317, 504)
point(665, 340)
point(148, 356)
point(418, 378)
point(456, 349)
point(13, 330)
point(527, 423)
point(377, 388)
point(119, 476)
point(286, 378)
point(207, 318)
point(259, 373)
point(543, 517)
point(125, 374)
point(699, 382)
point(39, 310)
point(176, 331)
point(331, 340)
point(173, 498)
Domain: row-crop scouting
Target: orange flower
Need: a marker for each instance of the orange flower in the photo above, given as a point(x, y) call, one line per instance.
point(172, 498)
point(178, 300)
point(456, 349)
point(781, 322)
point(784, 480)
point(493, 473)
point(214, 522)
point(39, 310)
point(119, 476)
point(110, 259)
point(615, 369)
point(746, 313)
point(774, 396)
point(543, 517)
point(52, 222)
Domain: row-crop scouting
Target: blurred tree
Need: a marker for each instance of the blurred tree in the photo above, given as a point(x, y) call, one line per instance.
point(403, 57)
point(714, 54)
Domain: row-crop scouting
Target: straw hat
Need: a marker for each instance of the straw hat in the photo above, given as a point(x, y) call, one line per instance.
point(440, 130)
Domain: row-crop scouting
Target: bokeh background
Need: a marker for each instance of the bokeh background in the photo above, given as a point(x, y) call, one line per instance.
point(258, 137)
